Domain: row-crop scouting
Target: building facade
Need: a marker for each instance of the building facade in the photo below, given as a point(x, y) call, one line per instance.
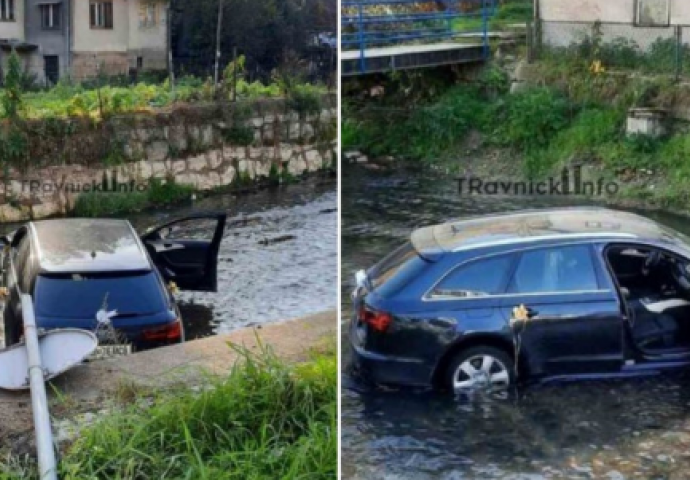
point(643, 21)
point(82, 38)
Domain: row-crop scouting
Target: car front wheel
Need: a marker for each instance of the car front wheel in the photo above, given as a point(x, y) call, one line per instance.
point(480, 368)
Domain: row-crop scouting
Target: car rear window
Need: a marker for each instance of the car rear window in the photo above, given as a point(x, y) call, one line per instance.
point(81, 296)
point(394, 272)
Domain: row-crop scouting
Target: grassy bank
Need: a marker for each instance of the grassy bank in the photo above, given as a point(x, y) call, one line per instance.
point(157, 194)
point(571, 114)
point(265, 420)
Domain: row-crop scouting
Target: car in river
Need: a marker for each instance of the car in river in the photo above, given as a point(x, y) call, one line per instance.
point(492, 301)
point(100, 275)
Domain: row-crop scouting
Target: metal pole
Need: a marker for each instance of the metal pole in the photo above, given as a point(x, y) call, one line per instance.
point(171, 66)
point(485, 28)
point(39, 402)
point(679, 52)
point(362, 61)
point(218, 29)
point(234, 74)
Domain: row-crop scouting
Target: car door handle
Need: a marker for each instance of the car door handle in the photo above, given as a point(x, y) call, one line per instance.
point(166, 246)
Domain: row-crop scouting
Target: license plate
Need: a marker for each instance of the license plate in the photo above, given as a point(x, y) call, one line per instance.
point(110, 351)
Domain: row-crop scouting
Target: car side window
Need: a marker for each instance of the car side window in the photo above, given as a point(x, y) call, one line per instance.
point(555, 270)
point(475, 279)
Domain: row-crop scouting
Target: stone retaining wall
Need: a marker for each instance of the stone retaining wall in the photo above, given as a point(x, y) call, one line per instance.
point(207, 146)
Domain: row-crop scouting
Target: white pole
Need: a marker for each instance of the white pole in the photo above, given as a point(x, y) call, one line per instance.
point(216, 74)
point(39, 402)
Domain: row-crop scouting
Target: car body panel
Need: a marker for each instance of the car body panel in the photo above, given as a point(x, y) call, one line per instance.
point(578, 334)
point(190, 263)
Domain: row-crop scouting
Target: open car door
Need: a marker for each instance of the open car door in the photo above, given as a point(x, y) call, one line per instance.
point(186, 250)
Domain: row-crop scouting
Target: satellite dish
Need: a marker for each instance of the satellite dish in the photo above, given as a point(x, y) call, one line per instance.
point(60, 350)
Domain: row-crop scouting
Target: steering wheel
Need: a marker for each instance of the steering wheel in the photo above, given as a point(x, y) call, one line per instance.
point(652, 260)
point(680, 275)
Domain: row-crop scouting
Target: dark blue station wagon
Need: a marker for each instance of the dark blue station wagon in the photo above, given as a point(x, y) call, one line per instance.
point(488, 302)
point(73, 268)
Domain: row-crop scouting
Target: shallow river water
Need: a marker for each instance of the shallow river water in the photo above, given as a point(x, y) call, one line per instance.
point(615, 429)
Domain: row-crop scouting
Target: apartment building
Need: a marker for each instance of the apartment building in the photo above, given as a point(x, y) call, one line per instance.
point(81, 38)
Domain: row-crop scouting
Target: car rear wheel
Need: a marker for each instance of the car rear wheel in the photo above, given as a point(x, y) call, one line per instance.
point(11, 328)
point(480, 368)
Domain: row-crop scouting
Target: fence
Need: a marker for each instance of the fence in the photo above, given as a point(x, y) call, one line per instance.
point(382, 23)
point(619, 46)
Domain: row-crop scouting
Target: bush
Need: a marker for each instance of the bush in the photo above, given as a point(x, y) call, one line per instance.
point(305, 99)
point(529, 120)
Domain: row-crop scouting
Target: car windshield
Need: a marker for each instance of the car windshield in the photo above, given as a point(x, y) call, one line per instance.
point(81, 296)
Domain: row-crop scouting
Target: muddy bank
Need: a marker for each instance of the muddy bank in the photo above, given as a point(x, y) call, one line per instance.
point(93, 388)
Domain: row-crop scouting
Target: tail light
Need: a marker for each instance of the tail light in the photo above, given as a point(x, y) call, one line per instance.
point(171, 331)
point(379, 321)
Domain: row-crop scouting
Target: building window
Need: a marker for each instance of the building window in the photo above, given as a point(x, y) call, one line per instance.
point(148, 14)
point(101, 14)
point(652, 13)
point(7, 10)
point(140, 62)
point(50, 16)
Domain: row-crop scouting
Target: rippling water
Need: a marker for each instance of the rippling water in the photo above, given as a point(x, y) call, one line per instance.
point(617, 429)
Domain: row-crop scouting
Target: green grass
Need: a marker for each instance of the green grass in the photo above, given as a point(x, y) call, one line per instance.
point(265, 420)
point(158, 193)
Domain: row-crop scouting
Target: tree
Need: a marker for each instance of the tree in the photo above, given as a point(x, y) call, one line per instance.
point(12, 93)
point(262, 30)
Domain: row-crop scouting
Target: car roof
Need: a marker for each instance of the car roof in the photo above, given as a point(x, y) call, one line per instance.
point(534, 226)
point(88, 245)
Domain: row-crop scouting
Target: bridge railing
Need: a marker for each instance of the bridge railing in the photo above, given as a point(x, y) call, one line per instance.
point(385, 23)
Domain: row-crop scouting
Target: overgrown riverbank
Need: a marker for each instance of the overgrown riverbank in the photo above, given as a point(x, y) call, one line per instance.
point(266, 419)
point(571, 109)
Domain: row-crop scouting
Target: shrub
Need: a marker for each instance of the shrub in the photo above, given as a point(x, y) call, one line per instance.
point(529, 120)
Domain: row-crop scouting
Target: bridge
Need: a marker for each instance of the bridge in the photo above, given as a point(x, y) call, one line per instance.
point(381, 36)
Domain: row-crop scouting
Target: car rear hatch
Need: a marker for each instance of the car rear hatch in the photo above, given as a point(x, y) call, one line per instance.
point(376, 287)
point(137, 300)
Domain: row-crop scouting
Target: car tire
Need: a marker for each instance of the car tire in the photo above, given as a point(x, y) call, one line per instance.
point(11, 328)
point(480, 368)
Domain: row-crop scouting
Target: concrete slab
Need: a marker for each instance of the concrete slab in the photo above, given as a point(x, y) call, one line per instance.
point(404, 49)
point(89, 386)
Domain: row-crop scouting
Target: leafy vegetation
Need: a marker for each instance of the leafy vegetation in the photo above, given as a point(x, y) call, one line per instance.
point(158, 193)
point(73, 100)
point(576, 115)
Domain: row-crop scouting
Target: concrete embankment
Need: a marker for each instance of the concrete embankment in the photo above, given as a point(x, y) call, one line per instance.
point(91, 387)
